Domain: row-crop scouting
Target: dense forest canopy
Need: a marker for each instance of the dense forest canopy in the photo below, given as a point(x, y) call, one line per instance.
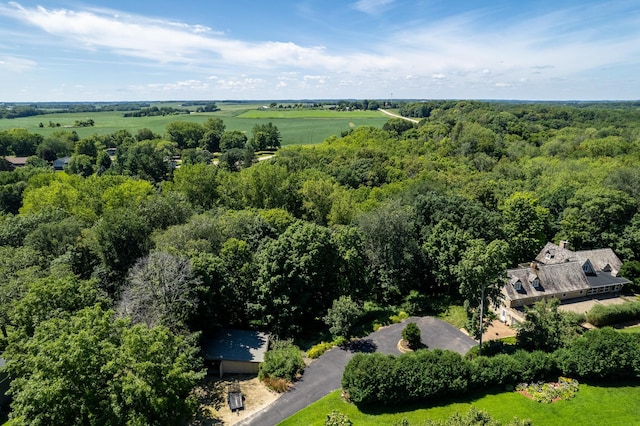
point(386, 216)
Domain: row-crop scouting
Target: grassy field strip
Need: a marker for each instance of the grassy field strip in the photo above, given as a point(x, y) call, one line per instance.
point(593, 405)
point(311, 113)
point(308, 127)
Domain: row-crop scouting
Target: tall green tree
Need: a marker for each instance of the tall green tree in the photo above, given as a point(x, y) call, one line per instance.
point(94, 369)
point(391, 246)
point(298, 278)
point(545, 327)
point(524, 226)
point(343, 316)
point(443, 248)
point(265, 136)
point(233, 139)
point(213, 131)
point(482, 274)
point(185, 134)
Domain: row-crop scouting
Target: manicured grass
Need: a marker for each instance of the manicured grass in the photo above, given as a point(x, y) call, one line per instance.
point(295, 129)
point(454, 315)
point(593, 405)
point(633, 330)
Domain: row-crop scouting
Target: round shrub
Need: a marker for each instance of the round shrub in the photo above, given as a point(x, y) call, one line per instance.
point(411, 334)
point(282, 362)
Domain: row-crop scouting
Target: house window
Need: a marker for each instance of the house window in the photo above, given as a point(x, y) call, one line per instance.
point(518, 285)
point(547, 255)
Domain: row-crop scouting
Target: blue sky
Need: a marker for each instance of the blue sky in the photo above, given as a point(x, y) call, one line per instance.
point(319, 49)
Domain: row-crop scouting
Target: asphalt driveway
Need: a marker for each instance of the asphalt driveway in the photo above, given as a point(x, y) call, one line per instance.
point(323, 375)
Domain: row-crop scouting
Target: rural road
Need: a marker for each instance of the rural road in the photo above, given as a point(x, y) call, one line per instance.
point(384, 111)
point(323, 375)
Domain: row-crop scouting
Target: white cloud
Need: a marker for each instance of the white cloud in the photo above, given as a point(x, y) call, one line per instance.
point(468, 51)
point(371, 7)
point(180, 86)
point(169, 42)
point(243, 84)
point(16, 64)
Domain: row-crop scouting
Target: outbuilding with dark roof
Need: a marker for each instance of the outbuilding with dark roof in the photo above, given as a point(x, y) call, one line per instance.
point(235, 351)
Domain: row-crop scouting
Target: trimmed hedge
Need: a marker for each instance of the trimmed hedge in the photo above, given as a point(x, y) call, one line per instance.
point(601, 315)
point(386, 379)
point(376, 378)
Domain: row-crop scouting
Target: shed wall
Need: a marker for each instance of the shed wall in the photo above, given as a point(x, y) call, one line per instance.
point(238, 367)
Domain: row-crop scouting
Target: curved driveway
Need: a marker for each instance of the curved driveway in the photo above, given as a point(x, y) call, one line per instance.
point(324, 375)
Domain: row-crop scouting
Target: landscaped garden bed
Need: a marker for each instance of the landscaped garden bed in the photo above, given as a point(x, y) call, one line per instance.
point(564, 388)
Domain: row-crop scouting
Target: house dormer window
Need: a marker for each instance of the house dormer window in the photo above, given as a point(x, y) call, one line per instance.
point(518, 285)
point(536, 284)
point(547, 255)
point(587, 268)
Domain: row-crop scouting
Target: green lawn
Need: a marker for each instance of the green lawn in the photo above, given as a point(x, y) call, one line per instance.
point(454, 315)
point(297, 127)
point(634, 330)
point(593, 405)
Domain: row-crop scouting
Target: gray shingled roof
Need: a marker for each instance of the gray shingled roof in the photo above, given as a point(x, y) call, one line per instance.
point(556, 254)
point(560, 271)
point(602, 279)
point(235, 345)
point(554, 279)
point(601, 258)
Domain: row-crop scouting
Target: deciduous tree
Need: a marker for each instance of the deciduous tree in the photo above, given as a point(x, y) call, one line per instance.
point(160, 290)
point(94, 369)
point(482, 274)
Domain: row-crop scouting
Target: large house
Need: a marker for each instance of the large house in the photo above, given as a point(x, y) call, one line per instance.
point(561, 273)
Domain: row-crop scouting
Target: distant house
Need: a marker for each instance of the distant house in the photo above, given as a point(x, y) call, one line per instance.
point(563, 274)
point(16, 161)
point(60, 163)
point(235, 351)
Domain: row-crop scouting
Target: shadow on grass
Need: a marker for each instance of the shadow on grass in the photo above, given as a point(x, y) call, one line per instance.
point(473, 396)
point(612, 383)
point(438, 401)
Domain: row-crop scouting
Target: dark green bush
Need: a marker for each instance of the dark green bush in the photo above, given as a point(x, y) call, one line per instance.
point(423, 375)
point(603, 353)
point(420, 375)
point(601, 315)
point(284, 361)
point(411, 333)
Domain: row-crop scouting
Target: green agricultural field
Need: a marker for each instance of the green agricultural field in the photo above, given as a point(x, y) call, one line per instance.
point(593, 405)
point(297, 127)
point(275, 113)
